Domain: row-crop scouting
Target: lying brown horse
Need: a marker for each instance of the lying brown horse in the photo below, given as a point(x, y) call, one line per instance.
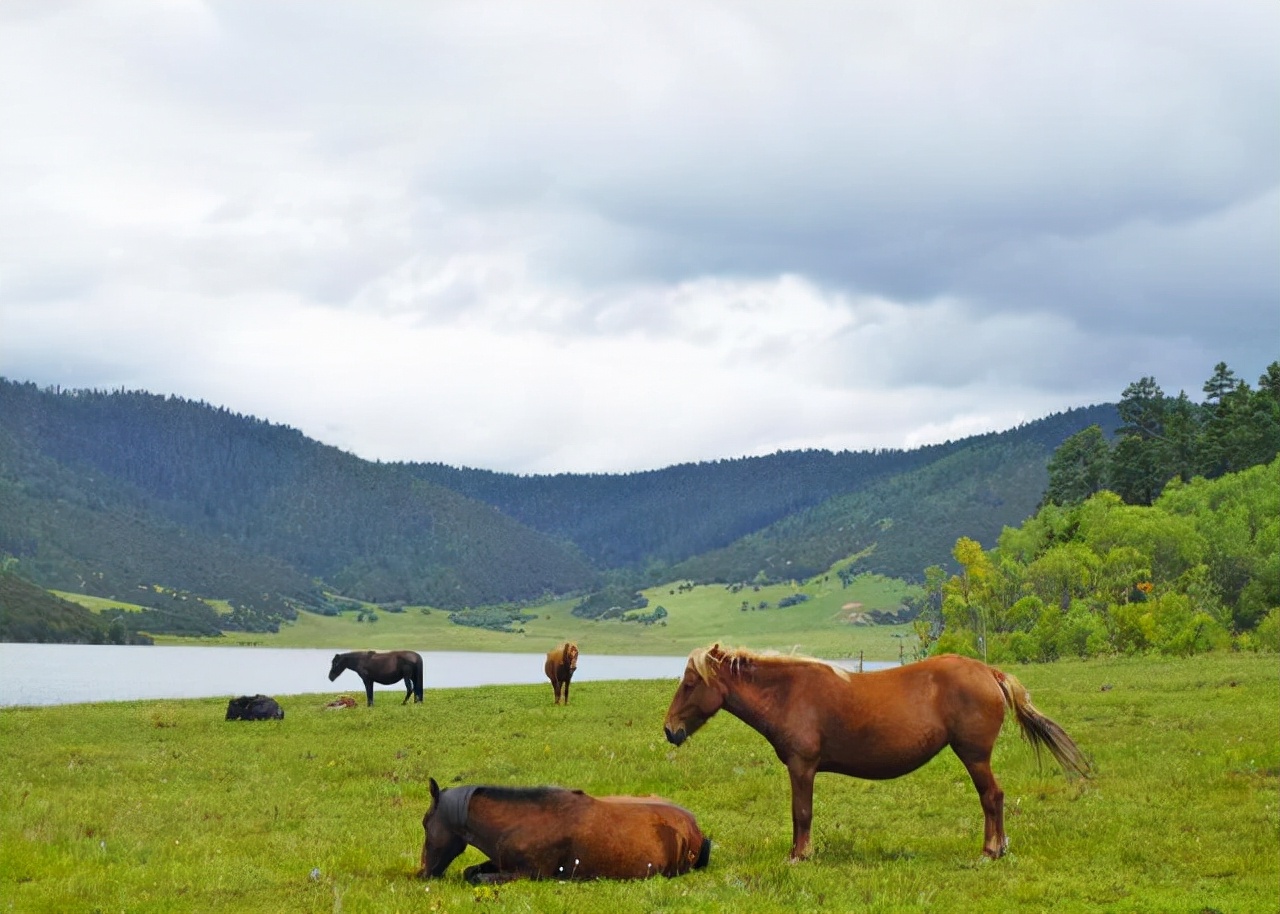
point(384, 667)
point(562, 662)
point(553, 833)
point(867, 725)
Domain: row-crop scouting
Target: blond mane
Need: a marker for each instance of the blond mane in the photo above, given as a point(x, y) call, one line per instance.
point(708, 662)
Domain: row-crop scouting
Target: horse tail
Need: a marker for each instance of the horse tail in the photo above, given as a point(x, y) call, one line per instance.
point(417, 677)
point(1039, 730)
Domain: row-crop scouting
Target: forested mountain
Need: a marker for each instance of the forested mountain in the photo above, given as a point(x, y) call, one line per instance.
point(30, 613)
point(166, 502)
point(663, 518)
point(902, 523)
point(110, 493)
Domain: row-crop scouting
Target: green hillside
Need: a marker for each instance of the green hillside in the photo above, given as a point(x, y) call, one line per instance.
point(661, 522)
point(895, 527)
point(30, 613)
point(179, 505)
point(114, 494)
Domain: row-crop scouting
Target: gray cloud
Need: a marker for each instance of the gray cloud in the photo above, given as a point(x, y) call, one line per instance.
point(574, 236)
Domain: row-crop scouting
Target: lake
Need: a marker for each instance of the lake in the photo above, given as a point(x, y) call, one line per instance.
point(56, 674)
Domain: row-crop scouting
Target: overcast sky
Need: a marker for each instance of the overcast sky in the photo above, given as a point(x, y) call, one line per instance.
point(542, 237)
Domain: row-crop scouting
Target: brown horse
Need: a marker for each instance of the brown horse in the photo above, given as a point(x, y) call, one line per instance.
point(386, 668)
point(561, 664)
point(867, 725)
point(553, 833)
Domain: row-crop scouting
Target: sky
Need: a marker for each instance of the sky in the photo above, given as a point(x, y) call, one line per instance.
point(602, 237)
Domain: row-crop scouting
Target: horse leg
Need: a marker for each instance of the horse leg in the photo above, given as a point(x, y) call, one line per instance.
point(801, 809)
point(994, 840)
point(368, 691)
point(487, 873)
point(566, 691)
point(408, 691)
point(555, 684)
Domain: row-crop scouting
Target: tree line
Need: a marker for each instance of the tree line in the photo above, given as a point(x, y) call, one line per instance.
point(1162, 438)
point(1166, 540)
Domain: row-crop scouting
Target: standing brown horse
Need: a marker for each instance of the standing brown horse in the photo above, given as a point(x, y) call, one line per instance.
point(562, 662)
point(386, 668)
point(553, 833)
point(867, 725)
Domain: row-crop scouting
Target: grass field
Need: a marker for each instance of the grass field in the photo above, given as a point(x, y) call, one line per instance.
point(696, 617)
point(161, 806)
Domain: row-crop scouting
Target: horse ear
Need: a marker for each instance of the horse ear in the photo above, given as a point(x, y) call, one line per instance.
point(435, 790)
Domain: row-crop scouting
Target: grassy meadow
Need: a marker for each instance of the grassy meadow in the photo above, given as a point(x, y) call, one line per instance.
point(162, 806)
point(819, 626)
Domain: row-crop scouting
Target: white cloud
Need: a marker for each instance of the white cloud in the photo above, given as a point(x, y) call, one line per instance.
point(575, 236)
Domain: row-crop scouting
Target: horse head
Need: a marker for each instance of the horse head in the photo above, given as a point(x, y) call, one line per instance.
point(339, 664)
point(443, 840)
point(700, 695)
point(571, 655)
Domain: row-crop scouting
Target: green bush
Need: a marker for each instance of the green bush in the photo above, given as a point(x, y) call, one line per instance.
point(1267, 635)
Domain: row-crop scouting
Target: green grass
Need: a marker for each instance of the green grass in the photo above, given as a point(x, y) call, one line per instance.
point(161, 806)
point(695, 618)
point(97, 604)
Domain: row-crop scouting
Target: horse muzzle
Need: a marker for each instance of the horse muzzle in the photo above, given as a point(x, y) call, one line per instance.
point(675, 737)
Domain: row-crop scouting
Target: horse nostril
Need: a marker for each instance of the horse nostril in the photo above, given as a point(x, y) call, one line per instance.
point(675, 737)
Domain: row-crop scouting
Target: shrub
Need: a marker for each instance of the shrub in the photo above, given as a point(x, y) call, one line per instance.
point(603, 603)
point(494, 618)
point(1082, 633)
point(956, 641)
point(1267, 636)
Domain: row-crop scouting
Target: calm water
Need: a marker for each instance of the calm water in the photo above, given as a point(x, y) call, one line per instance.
point(55, 674)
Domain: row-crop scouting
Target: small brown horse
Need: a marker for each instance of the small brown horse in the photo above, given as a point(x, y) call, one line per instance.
point(562, 663)
point(553, 833)
point(386, 668)
point(867, 725)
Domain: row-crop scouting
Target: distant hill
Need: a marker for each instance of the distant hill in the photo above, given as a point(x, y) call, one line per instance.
point(170, 503)
point(897, 526)
point(790, 514)
point(30, 613)
point(110, 493)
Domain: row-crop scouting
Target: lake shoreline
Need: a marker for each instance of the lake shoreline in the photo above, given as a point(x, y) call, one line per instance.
point(33, 675)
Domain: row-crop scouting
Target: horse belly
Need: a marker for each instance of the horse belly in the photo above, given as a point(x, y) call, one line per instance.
point(882, 755)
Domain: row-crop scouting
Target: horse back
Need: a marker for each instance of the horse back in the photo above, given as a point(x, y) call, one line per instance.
point(637, 837)
point(887, 723)
point(556, 833)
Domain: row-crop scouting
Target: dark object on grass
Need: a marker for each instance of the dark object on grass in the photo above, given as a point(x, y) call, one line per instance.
point(553, 833)
point(867, 725)
point(254, 707)
point(384, 667)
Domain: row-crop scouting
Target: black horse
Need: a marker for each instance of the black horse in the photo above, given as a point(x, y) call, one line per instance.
point(384, 667)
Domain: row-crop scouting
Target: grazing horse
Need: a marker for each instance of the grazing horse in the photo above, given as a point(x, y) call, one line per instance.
point(553, 833)
point(877, 725)
point(562, 662)
point(384, 667)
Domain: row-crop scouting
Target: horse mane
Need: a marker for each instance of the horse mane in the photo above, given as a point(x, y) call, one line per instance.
point(453, 806)
point(711, 662)
point(523, 794)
